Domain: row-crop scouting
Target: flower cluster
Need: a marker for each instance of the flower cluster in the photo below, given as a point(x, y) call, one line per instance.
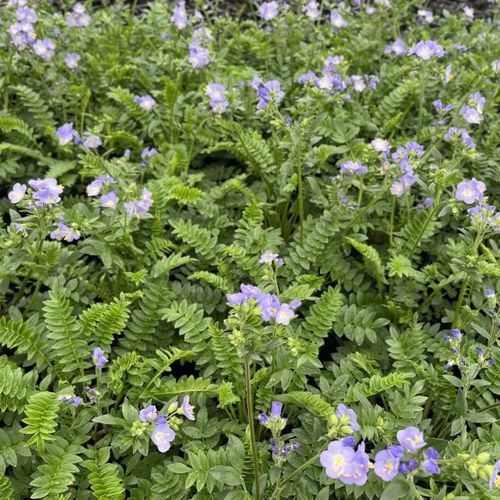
point(63, 232)
point(403, 157)
point(44, 192)
point(397, 48)
point(199, 56)
point(268, 304)
point(472, 112)
point(179, 17)
point(139, 208)
point(22, 32)
point(218, 101)
point(78, 17)
point(268, 10)
point(342, 461)
point(427, 49)
point(269, 92)
point(454, 133)
point(163, 433)
point(276, 423)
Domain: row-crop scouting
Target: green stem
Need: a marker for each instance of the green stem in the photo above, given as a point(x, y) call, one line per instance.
point(414, 489)
point(421, 102)
point(301, 200)
point(465, 284)
point(391, 221)
point(432, 212)
point(7, 78)
point(304, 466)
point(251, 424)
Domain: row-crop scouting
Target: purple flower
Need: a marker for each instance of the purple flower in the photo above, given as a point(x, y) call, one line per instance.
point(26, 15)
point(494, 482)
point(255, 82)
point(139, 208)
point(65, 134)
point(471, 115)
point(18, 192)
point(311, 10)
point(92, 142)
point(268, 10)
point(267, 257)
point(432, 453)
point(215, 90)
point(331, 63)
point(284, 314)
point(179, 16)
point(477, 100)
point(411, 438)
point(76, 401)
point(469, 13)
point(398, 48)
point(235, 298)
point(187, 409)
point(495, 65)
point(381, 145)
point(276, 407)
point(264, 419)
point(386, 465)
point(269, 305)
point(22, 35)
point(44, 48)
point(470, 191)
point(462, 134)
point(148, 153)
point(145, 102)
point(98, 357)
point(309, 77)
point(270, 92)
point(426, 15)
point(72, 60)
point(342, 462)
point(347, 417)
point(46, 191)
point(148, 414)
point(218, 102)
point(94, 188)
point(78, 18)
point(489, 293)
point(337, 20)
point(427, 49)
point(109, 200)
point(330, 82)
point(64, 232)
point(162, 436)
point(351, 166)
point(198, 56)
point(357, 83)
point(407, 467)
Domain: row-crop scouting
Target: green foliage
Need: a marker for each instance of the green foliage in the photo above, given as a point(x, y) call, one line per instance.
point(261, 253)
point(41, 418)
point(323, 313)
point(65, 332)
point(15, 387)
point(103, 476)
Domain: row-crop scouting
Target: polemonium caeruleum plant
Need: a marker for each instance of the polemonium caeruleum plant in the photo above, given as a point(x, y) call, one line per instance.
point(249, 254)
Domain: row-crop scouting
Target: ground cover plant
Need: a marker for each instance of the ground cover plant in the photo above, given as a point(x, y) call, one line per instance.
point(249, 252)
